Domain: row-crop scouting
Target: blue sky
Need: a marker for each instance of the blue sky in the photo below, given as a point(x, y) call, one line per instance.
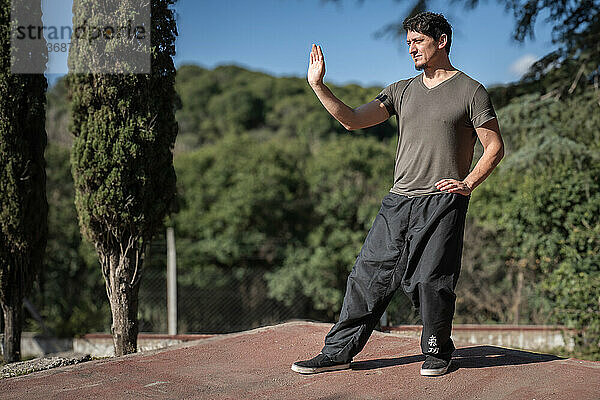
point(275, 36)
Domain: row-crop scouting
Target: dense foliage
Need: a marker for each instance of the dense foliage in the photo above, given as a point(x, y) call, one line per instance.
point(233, 100)
point(346, 179)
point(543, 205)
point(122, 162)
point(70, 282)
point(244, 202)
point(23, 207)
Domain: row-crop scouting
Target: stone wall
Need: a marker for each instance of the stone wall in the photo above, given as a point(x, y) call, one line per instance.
point(527, 337)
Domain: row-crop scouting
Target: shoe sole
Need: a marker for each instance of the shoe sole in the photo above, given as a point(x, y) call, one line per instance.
point(316, 370)
point(436, 371)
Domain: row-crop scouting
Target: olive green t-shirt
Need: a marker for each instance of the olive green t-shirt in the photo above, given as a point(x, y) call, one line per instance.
point(436, 130)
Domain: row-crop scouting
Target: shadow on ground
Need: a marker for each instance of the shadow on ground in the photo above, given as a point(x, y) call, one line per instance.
point(467, 357)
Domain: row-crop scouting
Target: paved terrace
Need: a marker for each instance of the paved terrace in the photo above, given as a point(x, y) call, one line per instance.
point(256, 365)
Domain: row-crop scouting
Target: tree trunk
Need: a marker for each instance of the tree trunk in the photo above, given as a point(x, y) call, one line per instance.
point(122, 275)
point(124, 306)
point(13, 315)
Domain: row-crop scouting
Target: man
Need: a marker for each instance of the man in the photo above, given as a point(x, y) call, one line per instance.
point(416, 238)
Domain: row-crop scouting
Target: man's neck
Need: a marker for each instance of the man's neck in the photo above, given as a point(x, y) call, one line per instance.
point(439, 73)
point(433, 76)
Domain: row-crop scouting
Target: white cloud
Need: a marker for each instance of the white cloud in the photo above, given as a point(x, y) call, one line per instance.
point(522, 64)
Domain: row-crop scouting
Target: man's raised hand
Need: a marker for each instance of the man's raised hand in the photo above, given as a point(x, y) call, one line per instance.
point(316, 68)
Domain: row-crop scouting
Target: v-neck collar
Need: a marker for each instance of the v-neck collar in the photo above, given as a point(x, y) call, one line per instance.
point(420, 79)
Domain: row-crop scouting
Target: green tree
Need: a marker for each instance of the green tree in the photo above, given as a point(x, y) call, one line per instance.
point(57, 114)
point(542, 206)
point(243, 201)
point(233, 100)
point(347, 177)
point(122, 163)
point(23, 212)
point(195, 86)
point(70, 283)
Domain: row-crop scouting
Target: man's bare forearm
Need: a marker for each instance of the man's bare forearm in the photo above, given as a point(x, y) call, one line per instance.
point(333, 105)
point(489, 160)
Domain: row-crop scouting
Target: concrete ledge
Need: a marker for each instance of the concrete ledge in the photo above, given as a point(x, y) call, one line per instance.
point(101, 344)
point(529, 337)
point(35, 345)
point(94, 344)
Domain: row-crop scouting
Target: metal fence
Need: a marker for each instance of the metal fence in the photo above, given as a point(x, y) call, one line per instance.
point(239, 305)
point(236, 302)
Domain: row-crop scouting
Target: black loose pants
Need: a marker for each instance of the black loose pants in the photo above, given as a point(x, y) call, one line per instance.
point(416, 243)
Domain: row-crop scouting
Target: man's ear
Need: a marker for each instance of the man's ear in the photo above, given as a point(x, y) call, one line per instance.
point(443, 41)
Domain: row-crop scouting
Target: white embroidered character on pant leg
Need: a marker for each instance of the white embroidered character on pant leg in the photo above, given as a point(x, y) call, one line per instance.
point(432, 342)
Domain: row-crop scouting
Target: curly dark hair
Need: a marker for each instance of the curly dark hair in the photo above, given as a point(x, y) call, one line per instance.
point(430, 24)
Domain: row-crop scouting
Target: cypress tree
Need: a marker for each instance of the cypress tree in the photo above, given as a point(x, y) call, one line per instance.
point(23, 206)
point(122, 162)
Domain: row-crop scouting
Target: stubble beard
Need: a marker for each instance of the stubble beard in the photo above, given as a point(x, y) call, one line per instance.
point(421, 67)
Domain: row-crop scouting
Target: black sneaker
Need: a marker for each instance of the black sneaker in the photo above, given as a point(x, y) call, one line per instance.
point(320, 363)
point(434, 366)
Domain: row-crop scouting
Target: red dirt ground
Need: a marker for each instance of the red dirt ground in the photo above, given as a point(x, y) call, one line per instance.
point(256, 365)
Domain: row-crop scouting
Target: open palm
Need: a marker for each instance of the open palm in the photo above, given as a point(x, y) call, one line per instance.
point(316, 68)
